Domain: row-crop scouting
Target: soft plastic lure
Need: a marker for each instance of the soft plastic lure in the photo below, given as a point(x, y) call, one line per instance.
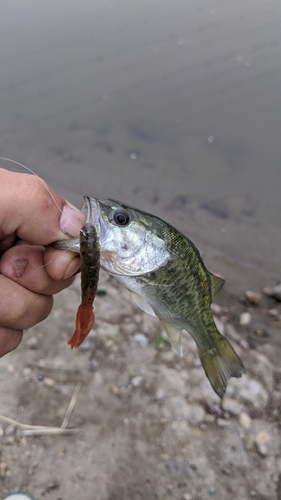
point(90, 266)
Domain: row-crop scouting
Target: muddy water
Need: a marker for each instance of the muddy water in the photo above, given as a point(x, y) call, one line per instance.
point(172, 106)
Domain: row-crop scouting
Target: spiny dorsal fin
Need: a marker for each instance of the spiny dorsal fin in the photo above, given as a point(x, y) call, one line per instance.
point(216, 284)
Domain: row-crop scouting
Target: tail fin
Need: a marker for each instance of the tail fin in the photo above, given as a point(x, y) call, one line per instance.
point(220, 363)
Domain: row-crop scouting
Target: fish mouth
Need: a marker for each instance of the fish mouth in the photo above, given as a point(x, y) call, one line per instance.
point(91, 210)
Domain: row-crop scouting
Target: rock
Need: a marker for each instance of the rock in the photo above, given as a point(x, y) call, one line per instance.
point(137, 381)
point(10, 430)
point(267, 290)
point(140, 339)
point(231, 406)
point(48, 381)
point(106, 330)
point(32, 343)
point(128, 328)
point(275, 312)
point(217, 310)
point(245, 319)
point(179, 408)
point(276, 292)
point(249, 391)
point(222, 422)
point(245, 420)
point(249, 442)
point(226, 471)
point(85, 346)
point(261, 368)
point(168, 356)
point(261, 440)
point(253, 297)
point(196, 414)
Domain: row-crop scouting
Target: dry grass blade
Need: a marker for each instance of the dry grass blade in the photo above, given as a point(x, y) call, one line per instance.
point(71, 405)
point(39, 430)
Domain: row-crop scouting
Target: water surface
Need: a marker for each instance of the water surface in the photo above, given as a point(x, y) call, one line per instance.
point(172, 106)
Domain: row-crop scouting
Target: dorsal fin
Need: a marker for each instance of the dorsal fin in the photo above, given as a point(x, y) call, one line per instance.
point(216, 284)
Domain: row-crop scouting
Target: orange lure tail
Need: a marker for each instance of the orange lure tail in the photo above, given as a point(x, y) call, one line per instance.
point(85, 319)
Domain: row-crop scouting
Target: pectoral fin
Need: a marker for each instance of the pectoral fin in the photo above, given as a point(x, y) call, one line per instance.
point(174, 335)
point(142, 304)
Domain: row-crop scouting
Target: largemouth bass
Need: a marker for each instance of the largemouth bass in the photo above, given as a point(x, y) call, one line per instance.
point(167, 278)
point(90, 266)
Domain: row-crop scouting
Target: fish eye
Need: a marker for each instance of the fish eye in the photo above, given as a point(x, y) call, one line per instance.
point(121, 217)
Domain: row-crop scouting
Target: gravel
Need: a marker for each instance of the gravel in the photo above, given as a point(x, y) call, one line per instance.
point(150, 426)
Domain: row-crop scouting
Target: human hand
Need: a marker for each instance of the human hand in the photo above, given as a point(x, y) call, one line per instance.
point(32, 217)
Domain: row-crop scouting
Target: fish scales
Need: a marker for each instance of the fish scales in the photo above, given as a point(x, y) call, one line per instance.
point(180, 291)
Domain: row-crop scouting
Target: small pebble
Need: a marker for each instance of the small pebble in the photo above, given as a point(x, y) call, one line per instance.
point(231, 406)
point(244, 344)
point(186, 496)
point(85, 346)
point(267, 290)
point(141, 339)
point(245, 420)
point(49, 381)
point(276, 291)
point(10, 440)
point(261, 440)
point(133, 156)
point(226, 471)
point(253, 297)
point(274, 312)
point(217, 310)
point(249, 442)
point(32, 343)
point(117, 390)
point(192, 465)
point(10, 430)
point(159, 395)
point(221, 422)
point(136, 381)
point(245, 319)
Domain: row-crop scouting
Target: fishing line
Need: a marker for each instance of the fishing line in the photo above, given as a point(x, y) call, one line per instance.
point(34, 173)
